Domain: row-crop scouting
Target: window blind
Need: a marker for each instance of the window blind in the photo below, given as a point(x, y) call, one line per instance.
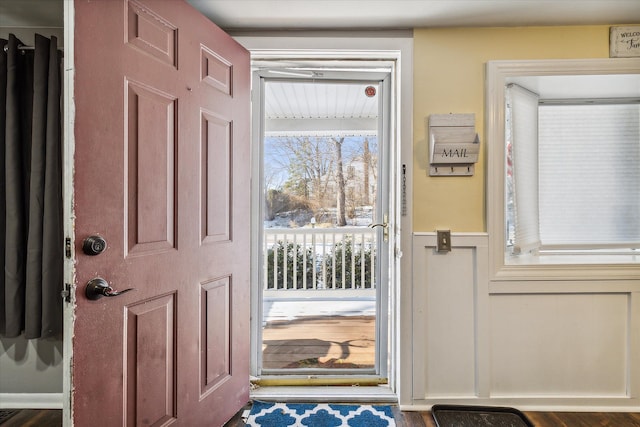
point(522, 109)
point(589, 175)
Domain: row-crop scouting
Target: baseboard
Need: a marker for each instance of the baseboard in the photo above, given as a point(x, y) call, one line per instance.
point(575, 404)
point(30, 400)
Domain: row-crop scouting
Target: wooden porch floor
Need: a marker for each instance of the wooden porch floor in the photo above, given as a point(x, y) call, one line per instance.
point(319, 342)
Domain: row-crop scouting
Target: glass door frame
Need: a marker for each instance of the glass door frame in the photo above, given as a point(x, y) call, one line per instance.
point(343, 71)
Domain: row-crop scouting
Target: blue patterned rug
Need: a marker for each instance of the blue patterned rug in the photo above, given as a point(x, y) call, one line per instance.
point(269, 414)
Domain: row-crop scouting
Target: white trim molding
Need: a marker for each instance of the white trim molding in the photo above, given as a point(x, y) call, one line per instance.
point(579, 267)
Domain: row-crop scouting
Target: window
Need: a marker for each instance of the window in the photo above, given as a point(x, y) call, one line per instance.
point(572, 173)
point(563, 171)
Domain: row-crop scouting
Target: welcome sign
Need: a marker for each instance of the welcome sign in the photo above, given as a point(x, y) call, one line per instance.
point(624, 42)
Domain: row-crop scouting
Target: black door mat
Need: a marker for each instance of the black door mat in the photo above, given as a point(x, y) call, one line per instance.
point(5, 414)
point(478, 416)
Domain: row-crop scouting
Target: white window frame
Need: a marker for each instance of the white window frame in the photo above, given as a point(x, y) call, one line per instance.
point(575, 267)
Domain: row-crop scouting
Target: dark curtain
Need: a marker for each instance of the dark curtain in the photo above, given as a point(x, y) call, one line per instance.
point(31, 189)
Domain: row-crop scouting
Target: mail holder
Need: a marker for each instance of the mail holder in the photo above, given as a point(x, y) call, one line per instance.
point(453, 144)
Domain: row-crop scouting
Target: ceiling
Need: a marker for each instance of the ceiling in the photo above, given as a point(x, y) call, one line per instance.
point(402, 14)
point(361, 14)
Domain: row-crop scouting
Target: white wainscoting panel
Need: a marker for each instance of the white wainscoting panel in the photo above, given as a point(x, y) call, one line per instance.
point(445, 316)
point(559, 345)
point(563, 345)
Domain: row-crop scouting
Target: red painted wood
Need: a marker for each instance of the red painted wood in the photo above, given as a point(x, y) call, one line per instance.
point(161, 172)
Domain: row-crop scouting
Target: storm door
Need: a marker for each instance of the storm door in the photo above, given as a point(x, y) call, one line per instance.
point(322, 241)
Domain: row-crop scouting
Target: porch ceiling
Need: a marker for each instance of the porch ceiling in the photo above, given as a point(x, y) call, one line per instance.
point(320, 108)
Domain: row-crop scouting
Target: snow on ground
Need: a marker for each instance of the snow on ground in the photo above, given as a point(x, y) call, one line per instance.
point(302, 219)
point(289, 309)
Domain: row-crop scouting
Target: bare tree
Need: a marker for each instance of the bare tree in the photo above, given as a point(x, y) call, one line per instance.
point(318, 173)
point(341, 220)
point(309, 163)
point(366, 161)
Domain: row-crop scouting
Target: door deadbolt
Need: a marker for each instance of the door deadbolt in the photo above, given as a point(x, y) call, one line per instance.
point(94, 245)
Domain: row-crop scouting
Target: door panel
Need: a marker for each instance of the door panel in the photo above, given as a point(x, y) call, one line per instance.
point(150, 146)
point(216, 179)
point(162, 139)
point(217, 359)
point(150, 364)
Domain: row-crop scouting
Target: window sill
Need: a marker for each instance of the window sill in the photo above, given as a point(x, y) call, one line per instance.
point(566, 267)
point(572, 259)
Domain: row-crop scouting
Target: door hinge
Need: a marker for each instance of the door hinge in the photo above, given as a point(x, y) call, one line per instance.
point(67, 247)
point(66, 294)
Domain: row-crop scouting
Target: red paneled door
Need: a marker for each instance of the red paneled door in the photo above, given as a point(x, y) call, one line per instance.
point(161, 173)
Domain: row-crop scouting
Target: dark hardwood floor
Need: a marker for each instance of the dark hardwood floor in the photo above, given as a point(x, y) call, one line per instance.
point(539, 419)
point(542, 419)
point(53, 418)
point(570, 419)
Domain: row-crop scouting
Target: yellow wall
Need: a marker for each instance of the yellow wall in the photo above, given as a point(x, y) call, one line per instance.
point(449, 78)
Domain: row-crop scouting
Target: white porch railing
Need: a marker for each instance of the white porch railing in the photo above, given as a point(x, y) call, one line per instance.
point(316, 259)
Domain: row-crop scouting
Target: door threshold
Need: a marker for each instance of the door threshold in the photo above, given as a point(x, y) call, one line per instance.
point(319, 380)
point(333, 394)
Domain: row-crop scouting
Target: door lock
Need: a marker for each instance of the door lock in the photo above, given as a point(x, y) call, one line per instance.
point(94, 245)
